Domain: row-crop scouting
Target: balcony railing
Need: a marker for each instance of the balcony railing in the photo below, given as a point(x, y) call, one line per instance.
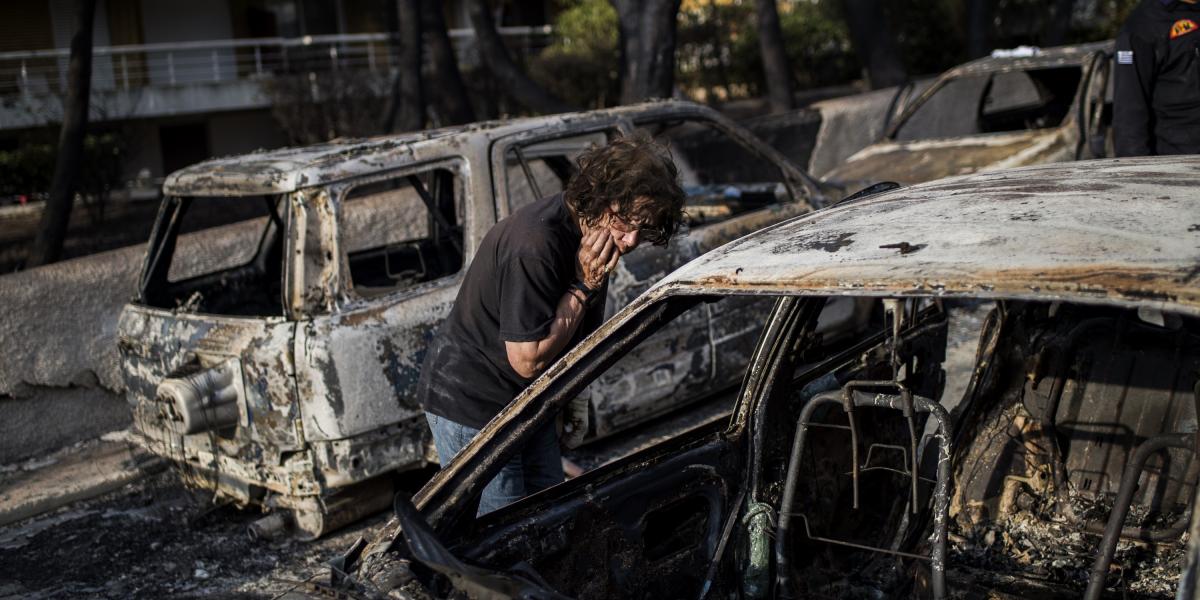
point(44, 72)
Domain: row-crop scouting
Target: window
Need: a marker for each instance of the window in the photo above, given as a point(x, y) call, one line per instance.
point(233, 269)
point(722, 177)
point(994, 102)
point(402, 231)
point(540, 169)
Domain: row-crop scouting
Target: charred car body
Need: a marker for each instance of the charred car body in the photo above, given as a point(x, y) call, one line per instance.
point(996, 112)
point(286, 377)
point(1065, 466)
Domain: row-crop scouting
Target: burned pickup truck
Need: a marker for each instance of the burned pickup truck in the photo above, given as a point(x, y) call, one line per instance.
point(1066, 465)
point(1038, 106)
point(286, 377)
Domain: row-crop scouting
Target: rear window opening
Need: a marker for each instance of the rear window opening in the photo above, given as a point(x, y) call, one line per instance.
point(233, 269)
point(402, 231)
point(994, 103)
point(721, 177)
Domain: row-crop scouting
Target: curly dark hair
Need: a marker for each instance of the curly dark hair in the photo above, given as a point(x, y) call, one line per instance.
point(625, 170)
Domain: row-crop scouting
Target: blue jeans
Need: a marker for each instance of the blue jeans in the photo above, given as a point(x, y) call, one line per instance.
point(536, 467)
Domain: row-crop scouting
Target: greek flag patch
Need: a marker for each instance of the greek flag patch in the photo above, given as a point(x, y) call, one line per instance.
point(1124, 57)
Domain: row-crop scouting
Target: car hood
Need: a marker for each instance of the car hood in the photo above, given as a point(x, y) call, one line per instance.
point(915, 162)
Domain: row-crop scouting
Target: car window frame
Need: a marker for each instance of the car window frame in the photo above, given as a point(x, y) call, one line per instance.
point(800, 185)
point(500, 148)
point(1086, 67)
point(458, 167)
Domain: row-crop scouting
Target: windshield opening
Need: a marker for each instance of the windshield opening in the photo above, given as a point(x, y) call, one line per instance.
point(993, 103)
point(721, 176)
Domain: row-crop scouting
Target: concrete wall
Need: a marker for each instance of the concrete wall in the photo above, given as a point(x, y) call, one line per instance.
point(60, 379)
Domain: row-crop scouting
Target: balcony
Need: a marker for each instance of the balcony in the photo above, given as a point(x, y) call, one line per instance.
point(160, 80)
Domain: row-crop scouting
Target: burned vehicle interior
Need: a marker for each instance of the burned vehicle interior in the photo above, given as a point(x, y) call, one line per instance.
point(246, 279)
point(1066, 468)
point(995, 102)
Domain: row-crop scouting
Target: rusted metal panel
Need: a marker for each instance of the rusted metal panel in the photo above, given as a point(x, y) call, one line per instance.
point(912, 162)
point(1109, 232)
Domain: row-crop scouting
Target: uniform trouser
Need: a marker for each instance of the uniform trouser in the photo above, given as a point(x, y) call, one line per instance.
point(536, 467)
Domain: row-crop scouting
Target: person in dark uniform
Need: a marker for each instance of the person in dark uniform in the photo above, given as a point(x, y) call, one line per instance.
point(1157, 89)
point(535, 288)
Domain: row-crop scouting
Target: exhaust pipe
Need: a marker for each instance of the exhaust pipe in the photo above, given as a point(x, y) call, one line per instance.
point(202, 401)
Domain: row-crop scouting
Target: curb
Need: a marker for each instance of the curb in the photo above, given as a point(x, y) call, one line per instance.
point(79, 476)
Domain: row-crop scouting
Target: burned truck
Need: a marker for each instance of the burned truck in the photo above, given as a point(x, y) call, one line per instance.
point(285, 377)
point(1062, 463)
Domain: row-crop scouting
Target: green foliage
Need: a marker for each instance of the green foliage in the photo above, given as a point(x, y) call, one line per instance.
point(1112, 15)
point(929, 34)
point(719, 55)
point(817, 44)
point(29, 169)
point(580, 65)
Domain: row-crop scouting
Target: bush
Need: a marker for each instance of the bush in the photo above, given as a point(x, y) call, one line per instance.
point(29, 169)
point(580, 64)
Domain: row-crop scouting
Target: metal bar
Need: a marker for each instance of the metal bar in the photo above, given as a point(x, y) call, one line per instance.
point(124, 73)
point(941, 494)
point(537, 192)
point(258, 61)
point(339, 38)
point(171, 68)
point(216, 65)
point(24, 79)
point(371, 56)
point(1116, 518)
point(815, 538)
point(782, 571)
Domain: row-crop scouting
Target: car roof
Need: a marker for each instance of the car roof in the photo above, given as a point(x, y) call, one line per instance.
point(1119, 231)
point(1042, 58)
point(286, 170)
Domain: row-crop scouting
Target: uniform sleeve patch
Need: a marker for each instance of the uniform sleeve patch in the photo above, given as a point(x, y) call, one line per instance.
point(1182, 27)
point(1124, 57)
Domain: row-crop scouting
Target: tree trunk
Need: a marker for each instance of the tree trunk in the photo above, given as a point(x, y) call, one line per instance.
point(1060, 23)
point(406, 106)
point(775, 61)
point(647, 39)
point(874, 42)
point(494, 55)
point(453, 104)
point(52, 231)
point(979, 28)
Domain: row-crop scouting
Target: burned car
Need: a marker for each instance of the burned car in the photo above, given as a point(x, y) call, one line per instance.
point(1063, 465)
point(1040, 106)
point(285, 377)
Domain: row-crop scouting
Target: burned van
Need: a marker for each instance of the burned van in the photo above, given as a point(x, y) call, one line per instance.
point(285, 375)
point(1058, 460)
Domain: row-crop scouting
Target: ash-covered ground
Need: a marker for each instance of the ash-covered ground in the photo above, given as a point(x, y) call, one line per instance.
point(155, 539)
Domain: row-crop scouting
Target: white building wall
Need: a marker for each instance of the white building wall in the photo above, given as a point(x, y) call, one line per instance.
point(171, 21)
point(62, 22)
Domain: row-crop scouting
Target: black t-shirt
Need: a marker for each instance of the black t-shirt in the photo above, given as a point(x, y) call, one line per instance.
point(523, 267)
